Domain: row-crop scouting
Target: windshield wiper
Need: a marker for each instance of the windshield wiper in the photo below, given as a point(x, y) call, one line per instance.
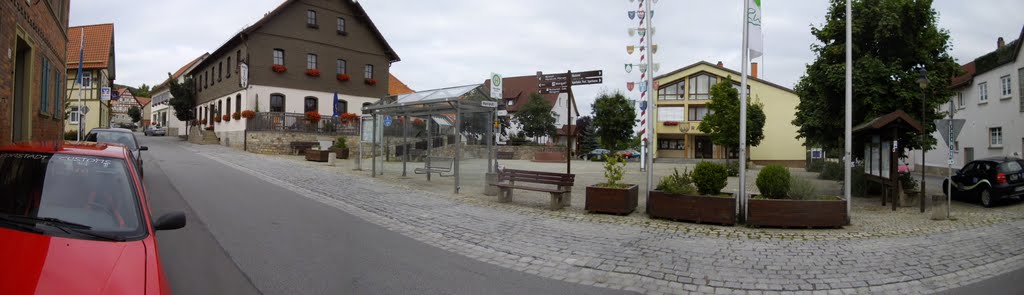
point(65, 226)
point(20, 224)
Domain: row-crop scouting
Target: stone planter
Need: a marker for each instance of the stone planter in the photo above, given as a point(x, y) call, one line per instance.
point(611, 200)
point(317, 155)
point(341, 153)
point(700, 209)
point(797, 213)
point(549, 157)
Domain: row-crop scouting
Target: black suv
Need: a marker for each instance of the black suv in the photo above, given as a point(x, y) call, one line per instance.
point(989, 180)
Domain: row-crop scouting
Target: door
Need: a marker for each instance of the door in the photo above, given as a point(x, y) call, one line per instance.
point(703, 149)
point(968, 154)
point(20, 113)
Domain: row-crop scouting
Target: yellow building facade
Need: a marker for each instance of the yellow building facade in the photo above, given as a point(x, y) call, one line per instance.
point(99, 111)
point(682, 97)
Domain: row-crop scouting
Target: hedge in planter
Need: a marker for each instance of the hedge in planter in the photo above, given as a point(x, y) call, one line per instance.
point(677, 198)
point(340, 148)
point(799, 207)
point(611, 196)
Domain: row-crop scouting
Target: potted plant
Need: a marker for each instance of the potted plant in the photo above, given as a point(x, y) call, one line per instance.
point(340, 148)
point(370, 82)
point(236, 115)
point(787, 201)
point(313, 72)
point(226, 118)
point(611, 196)
point(278, 68)
point(695, 197)
point(216, 119)
point(344, 77)
point(248, 114)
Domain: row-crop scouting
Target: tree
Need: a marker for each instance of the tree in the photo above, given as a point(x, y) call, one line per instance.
point(892, 40)
point(586, 137)
point(183, 98)
point(135, 113)
point(722, 123)
point(536, 117)
point(142, 91)
point(614, 118)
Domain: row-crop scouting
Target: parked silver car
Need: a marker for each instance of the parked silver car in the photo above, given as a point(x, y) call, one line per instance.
point(155, 131)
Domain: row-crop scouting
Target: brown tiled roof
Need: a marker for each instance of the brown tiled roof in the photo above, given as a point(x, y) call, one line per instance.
point(143, 101)
point(396, 87)
point(897, 117)
point(572, 131)
point(99, 42)
point(966, 78)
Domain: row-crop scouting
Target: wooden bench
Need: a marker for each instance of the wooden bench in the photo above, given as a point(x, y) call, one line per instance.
point(300, 147)
point(437, 165)
point(561, 195)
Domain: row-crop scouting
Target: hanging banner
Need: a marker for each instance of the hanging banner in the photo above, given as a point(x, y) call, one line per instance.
point(641, 31)
point(657, 67)
point(629, 86)
point(641, 14)
point(632, 32)
point(629, 68)
point(631, 14)
point(629, 49)
point(643, 86)
point(643, 68)
point(243, 75)
point(654, 48)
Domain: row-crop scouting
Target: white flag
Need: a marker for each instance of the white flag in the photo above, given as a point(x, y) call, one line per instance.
point(755, 43)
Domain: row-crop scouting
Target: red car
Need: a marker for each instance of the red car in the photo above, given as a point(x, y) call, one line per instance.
point(74, 219)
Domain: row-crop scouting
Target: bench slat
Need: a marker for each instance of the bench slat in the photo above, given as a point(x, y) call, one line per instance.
point(530, 188)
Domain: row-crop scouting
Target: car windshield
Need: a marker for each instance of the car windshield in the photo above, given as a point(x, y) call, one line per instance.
point(91, 191)
point(123, 138)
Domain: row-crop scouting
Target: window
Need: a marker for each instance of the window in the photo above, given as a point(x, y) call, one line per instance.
point(311, 19)
point(278, 56)
point(86, 80)
point(44, 89)
point(58, 95)
point(670, 114)
point(670, 144)
point(366, 104)
point(983, 90)
point(511, 102)
point(311, 104)
point(238, 102)
point(341, 25)
point(310, 61)
point(229, 67)
point(697, 113)
point(276, 103)
point(341, 106)
point(220, 71)
point(342, 66)
point(368, 72)
point(700, 86)
point(995, 137)
point(229, 107)
point(73, 115)
point(960, 99)
point(238, 58)
point(673, 91)
point(1004, 83)
point(220, 107)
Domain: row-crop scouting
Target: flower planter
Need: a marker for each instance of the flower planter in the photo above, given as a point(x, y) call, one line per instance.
point(278, 68)
point(700, 209)
point(340, 153)
point(548, 157)
point(344, 77)
point(611, 200)
point(370, 82)
point(797, 213)
point(317, 155)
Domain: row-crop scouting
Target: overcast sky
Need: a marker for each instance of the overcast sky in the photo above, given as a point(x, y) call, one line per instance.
point(457, 42)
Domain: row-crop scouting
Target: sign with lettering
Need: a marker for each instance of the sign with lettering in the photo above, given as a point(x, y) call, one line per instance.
point(496, 86)
point(104, 93)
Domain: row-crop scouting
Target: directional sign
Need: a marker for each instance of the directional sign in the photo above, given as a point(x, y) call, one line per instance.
point(502, 113)
point(579, 78)
point(489, 104)
point(943, 125)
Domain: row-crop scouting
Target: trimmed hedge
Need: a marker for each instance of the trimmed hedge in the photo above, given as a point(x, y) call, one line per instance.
point(832, 171)
point(773, 181)
point(710, 178)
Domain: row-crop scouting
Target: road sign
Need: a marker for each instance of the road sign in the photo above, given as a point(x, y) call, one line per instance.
point(496, 86)
point(948, 135)
point(502, 113)
point(104, 93)
point(558, 83)
point(85, 110)
point(489, 104)
point(387, 121)
point(577, 76)
point(816, 153)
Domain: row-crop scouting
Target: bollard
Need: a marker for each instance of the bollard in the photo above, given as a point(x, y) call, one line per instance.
point(938, 207)
point(331, 158)
point(491, 181)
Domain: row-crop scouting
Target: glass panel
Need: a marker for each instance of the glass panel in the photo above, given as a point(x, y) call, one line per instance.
point(277, 103)
point(311, 104)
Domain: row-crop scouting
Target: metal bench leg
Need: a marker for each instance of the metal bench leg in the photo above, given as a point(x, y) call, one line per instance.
point(505, 196)
point(556, 201)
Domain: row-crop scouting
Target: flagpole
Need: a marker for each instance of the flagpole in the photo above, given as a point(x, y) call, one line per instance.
point(848, 134)
point(651, 105)
point(741, 199)
point(81, 50)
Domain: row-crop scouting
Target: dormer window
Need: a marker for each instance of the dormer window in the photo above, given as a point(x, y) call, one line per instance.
point(311, 19)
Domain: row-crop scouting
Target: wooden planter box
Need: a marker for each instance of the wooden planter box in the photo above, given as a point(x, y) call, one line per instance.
point(317, 155)
point(797, 213)
point(549, 157)
point(612, 200)
point(700, 209)
point(340, 153)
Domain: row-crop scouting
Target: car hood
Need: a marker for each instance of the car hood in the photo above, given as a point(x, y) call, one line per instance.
point(39, 264)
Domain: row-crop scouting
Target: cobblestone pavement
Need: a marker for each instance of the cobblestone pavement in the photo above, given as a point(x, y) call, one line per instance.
point(652, 258)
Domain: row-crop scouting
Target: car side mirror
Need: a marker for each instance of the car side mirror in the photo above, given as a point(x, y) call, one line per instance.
point(170, 221)
point(143, 148)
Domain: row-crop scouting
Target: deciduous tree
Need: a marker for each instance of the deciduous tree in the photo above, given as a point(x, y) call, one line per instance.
point(722, 123)
point(536, 117)
point(614, 118)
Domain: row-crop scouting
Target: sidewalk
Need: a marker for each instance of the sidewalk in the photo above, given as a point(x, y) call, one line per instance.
point(656, 257)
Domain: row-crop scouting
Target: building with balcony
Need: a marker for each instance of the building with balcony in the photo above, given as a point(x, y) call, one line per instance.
point(682, 99)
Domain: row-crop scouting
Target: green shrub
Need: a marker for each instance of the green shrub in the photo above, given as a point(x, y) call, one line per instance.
point(71, 135)
point(677, 183)
point(815, 165)
point(773, 181)
point(802, 189)
point(710, 178)
point(859, 183)
point(734, 168)
point(908, 181)
point(832, 171)
point(614, 169)
point(341, 143)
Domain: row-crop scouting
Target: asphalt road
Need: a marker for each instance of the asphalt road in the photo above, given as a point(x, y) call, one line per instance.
point(245, 236)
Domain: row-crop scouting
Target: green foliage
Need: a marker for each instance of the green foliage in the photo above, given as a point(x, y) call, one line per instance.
point(802, 189)
point(908, 181)
point(677, 183)
point(614, 169)
point(518, 139)
point(722, 123)
point(71, 135)
point(832, 171)
point(135, 113)
point(859, 183)
point(184, 99)
point(734, 168)
point(142, 91)
point(773, 181)
point(614, 118)
point(815, 165)
point(341, 143)
point(893, 39)
point(536, 117)
point(710, 178)
point(587, 134)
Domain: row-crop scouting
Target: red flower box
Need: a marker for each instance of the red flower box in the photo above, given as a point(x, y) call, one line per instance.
point(216, 119)
point(349, 118)
point(313, 73)
point(226, 118)
point(236, 116)
point(671, 123)
point(312, 116)
point(370, 82)
point(248, 114)
point(279, 68)
point(344, 77)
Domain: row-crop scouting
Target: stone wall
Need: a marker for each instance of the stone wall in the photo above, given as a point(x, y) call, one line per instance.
point(279, 143)
point(480, 151)
point(234, 139)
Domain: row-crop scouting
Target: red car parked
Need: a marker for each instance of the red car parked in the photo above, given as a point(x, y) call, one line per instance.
point(74, 219)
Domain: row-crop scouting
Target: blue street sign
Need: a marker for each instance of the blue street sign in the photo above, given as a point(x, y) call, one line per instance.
point(387, 121)
point(643, 105)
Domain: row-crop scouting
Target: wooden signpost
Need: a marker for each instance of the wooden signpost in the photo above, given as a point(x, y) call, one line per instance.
point(562, 83)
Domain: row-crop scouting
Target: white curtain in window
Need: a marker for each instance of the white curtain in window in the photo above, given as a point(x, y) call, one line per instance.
point(670, 114)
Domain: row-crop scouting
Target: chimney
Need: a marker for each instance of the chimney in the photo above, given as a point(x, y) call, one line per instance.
point(1000, 43)
point(720, 64)
point(753, 69)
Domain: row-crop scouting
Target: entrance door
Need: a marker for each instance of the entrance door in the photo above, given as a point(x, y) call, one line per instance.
point(21, 100)
point(968, 155)
point(703, 149)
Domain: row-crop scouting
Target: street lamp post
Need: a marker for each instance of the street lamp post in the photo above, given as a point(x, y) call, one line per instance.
point(923, 82)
